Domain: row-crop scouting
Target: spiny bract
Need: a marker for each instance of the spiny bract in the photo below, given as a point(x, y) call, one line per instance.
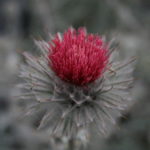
point(78, 81)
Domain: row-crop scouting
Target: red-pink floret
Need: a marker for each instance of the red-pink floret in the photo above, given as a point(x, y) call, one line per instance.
point(78, 58)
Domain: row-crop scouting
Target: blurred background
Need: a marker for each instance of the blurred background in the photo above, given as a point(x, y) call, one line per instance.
point(128, 21)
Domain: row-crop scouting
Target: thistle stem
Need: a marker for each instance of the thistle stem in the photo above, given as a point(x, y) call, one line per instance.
point(71, 144)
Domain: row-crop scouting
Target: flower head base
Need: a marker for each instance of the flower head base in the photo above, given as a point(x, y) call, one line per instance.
point(78, 57)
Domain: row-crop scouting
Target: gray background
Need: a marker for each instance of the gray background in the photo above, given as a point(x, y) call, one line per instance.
point(22, 20)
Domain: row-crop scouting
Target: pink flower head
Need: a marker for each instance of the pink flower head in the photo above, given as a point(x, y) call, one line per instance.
point(77, 57)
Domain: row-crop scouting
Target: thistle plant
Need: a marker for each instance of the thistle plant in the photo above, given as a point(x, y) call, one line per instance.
point(79, 81)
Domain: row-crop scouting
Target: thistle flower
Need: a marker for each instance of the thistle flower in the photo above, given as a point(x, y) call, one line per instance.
point(78, 81)
point(83, 57)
